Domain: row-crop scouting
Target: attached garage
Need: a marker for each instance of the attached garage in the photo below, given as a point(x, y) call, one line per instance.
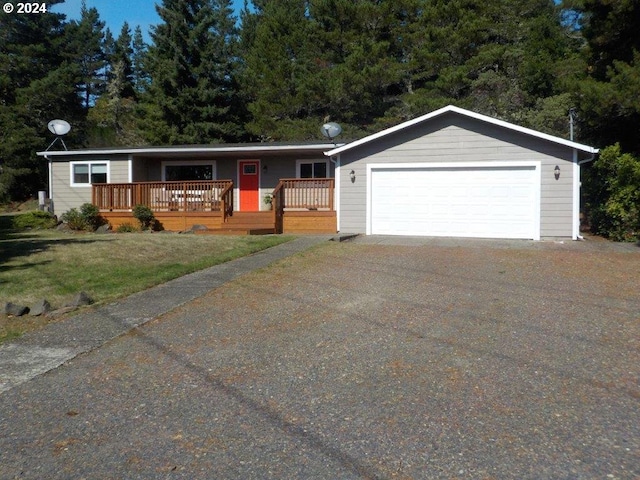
point(483, 200)
point(456, 173)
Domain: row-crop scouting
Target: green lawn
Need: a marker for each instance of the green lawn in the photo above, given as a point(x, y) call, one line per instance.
point(55, 265)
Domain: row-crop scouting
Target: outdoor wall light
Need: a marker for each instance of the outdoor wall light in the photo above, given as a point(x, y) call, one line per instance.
point(352, 176)
point(556, 172)
point(265, 168)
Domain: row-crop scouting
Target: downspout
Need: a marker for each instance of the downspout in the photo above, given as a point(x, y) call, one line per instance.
point(336, 199)
point(50, 171)
point(577, 189)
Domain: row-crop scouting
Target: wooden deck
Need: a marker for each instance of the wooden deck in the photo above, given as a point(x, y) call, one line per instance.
point(300, 206)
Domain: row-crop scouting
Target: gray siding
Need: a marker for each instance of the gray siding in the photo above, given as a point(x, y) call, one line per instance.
point(149, 169)
point(66, 197)
point(450, 139)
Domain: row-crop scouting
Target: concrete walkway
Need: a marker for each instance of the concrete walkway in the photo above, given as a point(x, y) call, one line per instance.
point(43, 350)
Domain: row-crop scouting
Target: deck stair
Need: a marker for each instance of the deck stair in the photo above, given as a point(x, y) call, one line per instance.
point(249, 223)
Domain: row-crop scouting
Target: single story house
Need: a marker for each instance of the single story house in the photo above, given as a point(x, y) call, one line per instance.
point(451, 172)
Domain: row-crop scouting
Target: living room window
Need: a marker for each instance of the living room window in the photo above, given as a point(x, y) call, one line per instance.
point(312, 168)
point(176, 171)
point(83, 174)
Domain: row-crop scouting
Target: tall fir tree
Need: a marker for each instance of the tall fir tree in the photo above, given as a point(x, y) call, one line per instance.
point(139, 51)
point(607, 94)
point(87, 51)
point(37, 84)
point(193, 95)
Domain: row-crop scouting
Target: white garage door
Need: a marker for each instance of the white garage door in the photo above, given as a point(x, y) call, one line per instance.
point(455, 201)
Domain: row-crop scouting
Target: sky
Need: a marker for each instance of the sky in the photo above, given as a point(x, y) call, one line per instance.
point(115, 12)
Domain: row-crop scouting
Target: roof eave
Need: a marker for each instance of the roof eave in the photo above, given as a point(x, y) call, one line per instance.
point(170, 150)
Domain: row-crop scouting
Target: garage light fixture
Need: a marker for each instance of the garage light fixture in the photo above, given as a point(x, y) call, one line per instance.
point(556, 172)
point(352, 176)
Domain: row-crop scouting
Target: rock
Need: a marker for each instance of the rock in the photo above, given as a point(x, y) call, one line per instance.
point(80, 300)
point(106, 228)
point(198, 228)
point(15, 310)
point(40, 308)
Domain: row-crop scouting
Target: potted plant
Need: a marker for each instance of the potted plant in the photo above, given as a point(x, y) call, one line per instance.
point(268, 200)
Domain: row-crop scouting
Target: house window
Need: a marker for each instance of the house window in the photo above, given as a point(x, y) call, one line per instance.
point(313, 168)
point(83, 174)
point(183, 171)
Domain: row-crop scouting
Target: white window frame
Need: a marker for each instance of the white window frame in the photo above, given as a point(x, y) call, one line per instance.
point(89, 163)
point(168, 163)
point(299, 163)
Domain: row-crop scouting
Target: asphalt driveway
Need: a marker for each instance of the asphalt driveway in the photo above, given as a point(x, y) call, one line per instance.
point(369, 359)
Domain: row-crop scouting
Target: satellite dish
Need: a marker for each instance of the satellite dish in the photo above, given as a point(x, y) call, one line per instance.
point(331, 130)
point(59, 127)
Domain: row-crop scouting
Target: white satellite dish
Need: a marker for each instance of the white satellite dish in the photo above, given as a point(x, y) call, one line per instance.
point(59, 127)
point(331, 130)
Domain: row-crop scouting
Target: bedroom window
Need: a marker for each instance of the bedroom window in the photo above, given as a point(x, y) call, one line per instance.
point(83, 174)
point(313, 168)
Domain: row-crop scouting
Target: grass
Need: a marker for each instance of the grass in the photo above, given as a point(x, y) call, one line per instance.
point(55, 265)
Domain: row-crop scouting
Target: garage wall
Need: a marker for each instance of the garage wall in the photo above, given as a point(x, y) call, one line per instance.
point(67, 197)
point(452, 138)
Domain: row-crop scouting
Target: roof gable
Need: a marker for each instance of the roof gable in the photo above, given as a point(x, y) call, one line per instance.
point(466, 113)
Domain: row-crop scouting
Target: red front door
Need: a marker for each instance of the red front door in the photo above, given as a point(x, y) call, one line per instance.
point(248, 184)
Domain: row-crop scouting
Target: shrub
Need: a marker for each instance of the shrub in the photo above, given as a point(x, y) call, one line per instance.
point(144, 215)
point(36, 220)
point(74, 220)
point(613, 189)
point(87, 218)
point(126, 228)
point(91, 215)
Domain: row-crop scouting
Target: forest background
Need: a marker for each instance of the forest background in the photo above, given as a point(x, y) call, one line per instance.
point(280, 68)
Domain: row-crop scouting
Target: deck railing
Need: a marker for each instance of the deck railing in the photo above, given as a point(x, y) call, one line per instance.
point(307, 193)
point(301, 194)
point(206, 195)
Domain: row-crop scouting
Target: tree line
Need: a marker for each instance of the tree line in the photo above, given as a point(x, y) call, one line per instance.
point(276, 70)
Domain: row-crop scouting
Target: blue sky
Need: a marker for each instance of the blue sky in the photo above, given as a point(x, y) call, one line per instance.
point(115, 12)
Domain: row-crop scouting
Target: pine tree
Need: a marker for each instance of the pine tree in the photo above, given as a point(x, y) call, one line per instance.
point(37, 84)
point(193, 96)
point(123, 57)
point(139, 51)
point(86, 50)
point(607, 94)
point(282, 61)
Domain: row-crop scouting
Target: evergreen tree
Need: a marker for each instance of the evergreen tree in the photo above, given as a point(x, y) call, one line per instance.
point(281, 72)
point(123, 57)
point(193, 96)
point(140, 75)
point(86, 50)
point(607, 94)
point(37, 84)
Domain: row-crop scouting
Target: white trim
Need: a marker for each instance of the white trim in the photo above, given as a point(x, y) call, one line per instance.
point(88, 163)
point(50, 165)
point(180, 163)
point(130, 168)
point(320, 148)
point(466, 113)
point(576, 196)
point(336, 195)
point(537, 165)
point(312, 161)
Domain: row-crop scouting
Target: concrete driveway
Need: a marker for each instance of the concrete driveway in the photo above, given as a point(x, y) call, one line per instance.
point(374, 359)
